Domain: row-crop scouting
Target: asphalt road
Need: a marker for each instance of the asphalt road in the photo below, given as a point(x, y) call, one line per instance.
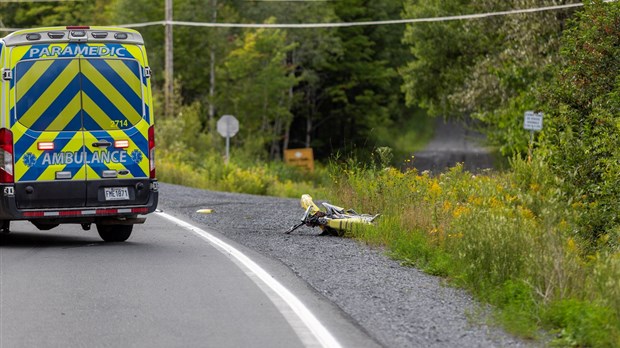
point(164, 287)
point(397, 306)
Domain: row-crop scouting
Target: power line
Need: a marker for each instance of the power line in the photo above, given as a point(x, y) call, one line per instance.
point(356, 24)
point(345, 24)
point(143, 24)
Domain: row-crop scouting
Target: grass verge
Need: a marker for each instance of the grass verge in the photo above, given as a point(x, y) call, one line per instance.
point(209, 172)
point(510, 238)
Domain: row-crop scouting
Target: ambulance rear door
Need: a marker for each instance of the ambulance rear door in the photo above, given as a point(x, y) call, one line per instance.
point(115, 105)
point(46, 125)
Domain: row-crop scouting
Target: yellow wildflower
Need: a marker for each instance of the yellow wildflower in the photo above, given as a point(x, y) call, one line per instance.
point(460, 210)
point(435, 188)
point(526, 213)
point(571, 245)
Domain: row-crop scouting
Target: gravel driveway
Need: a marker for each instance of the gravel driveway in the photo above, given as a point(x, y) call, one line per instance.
point(398, 306)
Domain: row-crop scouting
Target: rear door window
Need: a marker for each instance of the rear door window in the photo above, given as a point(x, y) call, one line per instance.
point(112, 93)
point(47, 94)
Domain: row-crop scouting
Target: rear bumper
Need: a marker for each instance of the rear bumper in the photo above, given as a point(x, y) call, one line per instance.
point(81, 214)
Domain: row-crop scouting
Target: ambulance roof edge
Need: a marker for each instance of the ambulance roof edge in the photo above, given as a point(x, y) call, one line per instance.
point(20, 37)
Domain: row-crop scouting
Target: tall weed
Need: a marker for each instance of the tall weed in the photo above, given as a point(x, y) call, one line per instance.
point(511, 238)
point(207, 170)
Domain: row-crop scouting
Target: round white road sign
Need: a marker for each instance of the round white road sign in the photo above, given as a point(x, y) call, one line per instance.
point(228, 126)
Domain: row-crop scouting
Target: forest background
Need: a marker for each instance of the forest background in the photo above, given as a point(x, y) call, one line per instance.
point(348, 89)
point(540, 240)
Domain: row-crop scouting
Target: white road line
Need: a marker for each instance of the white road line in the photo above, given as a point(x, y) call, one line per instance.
point(277, 293)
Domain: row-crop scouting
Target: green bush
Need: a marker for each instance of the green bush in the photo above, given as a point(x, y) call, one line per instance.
point(253, 180)
point(208, 171)
point(520, 311)
point(581, 139)
point(583, 323)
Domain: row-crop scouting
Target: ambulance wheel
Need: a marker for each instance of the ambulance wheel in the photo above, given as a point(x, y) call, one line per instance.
point(114, 233)
point(5, 226)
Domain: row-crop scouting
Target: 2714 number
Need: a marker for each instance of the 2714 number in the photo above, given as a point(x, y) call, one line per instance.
point(119, 123)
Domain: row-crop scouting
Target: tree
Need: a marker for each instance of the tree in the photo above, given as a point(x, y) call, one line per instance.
point(357, 82)
point(504, 83)
point(442, 53)
point(581, 139)
point(254, 87)
point(485, 68)
point(27, 15)
point(314, 49)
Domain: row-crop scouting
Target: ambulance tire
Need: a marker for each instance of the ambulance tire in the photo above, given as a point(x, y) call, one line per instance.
point(5, 226)
point(114, 233)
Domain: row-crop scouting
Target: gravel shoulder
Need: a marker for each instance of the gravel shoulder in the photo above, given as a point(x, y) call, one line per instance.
point(398, 306)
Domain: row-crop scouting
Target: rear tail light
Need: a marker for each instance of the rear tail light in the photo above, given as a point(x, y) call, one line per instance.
point(6, 156)
point(152, 152)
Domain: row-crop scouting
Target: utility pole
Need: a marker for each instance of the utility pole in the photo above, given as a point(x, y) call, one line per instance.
point(212, 72)
point(169, 73)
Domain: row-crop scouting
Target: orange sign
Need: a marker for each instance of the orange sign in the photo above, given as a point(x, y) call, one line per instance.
point(300, 158)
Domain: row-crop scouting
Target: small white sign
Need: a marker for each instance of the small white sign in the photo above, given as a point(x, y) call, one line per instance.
point(228, 126)
point(533, 121)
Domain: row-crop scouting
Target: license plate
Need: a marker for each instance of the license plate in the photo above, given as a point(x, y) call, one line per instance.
point(116, 193)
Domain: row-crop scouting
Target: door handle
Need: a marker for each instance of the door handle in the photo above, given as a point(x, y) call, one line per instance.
point(102, 143)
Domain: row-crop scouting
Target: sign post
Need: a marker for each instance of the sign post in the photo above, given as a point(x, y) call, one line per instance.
point(533, 121)
point(227, 126)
